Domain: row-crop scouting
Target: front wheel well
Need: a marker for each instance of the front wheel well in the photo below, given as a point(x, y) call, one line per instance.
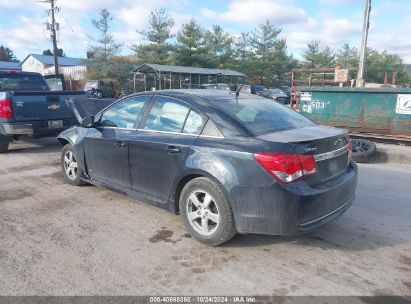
point(63, 141)
point(180, 187)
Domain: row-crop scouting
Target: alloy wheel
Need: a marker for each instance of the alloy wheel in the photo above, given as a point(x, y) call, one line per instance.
point(202, 212)
point(70, 165)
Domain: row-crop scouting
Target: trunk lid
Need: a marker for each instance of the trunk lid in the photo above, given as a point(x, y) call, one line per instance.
point(328, 146)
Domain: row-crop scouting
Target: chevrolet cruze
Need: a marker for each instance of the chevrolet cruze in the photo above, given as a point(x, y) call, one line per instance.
point(228, 164)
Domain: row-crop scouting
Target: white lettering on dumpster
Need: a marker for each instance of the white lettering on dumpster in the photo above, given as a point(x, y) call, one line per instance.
point(403, 104)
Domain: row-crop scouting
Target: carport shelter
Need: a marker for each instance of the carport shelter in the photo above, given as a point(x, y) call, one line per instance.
point(181, 77)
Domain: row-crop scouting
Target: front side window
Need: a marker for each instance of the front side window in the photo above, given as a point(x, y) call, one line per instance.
point(167, 114)
point(124, 114)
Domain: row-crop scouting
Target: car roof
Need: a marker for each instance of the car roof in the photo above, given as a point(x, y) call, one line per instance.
point(209, 95)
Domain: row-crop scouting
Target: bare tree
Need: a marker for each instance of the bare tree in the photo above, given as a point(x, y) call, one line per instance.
point(106, 47)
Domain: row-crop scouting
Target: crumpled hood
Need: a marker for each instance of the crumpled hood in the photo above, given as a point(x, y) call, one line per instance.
point(83, 107)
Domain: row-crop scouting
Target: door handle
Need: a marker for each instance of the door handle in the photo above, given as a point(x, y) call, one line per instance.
point(121, 144)
point(173, 149)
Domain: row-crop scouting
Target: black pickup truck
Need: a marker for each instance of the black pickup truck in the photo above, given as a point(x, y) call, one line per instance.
point(29, 107)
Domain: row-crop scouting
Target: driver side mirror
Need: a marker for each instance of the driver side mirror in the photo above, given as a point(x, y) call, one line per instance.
point(88, 122)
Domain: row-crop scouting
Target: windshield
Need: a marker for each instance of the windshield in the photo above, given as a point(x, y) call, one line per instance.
point(22, 82)
point(262, 116)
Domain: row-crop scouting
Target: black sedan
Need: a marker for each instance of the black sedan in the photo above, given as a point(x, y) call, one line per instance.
point(276, 95)
point(227, 164)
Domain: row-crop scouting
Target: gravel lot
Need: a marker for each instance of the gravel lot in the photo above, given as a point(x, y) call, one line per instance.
point(56, 239)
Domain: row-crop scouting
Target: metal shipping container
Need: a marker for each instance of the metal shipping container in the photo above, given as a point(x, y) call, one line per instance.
point(379, 111)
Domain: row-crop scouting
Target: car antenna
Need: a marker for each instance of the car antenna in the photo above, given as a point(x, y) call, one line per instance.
point(237, 92)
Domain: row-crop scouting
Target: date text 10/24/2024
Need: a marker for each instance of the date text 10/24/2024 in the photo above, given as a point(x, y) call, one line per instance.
point(203, 299)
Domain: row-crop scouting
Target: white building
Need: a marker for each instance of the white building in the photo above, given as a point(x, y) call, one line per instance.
point(71, 68)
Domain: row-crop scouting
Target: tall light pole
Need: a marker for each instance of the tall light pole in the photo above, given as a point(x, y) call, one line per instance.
point(363, 49)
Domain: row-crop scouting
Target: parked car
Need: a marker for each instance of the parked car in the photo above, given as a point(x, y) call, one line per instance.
point(227, 164)
point(245, 89)
point(276, 95)
point(286, 90)
point(29, 107)
point(216, 86)
point(258, 89)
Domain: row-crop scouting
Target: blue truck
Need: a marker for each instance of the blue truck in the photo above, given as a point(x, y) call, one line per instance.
point(29, 107)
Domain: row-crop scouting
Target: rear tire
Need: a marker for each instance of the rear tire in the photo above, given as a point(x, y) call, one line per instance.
point(4, 143)
point(206, 212)
point(73, 173)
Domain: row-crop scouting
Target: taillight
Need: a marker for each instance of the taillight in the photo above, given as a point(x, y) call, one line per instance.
point(5, 108)
point(286, 167)
point(349, 148)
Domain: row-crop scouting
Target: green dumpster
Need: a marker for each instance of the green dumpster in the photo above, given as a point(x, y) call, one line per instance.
point(379, 111)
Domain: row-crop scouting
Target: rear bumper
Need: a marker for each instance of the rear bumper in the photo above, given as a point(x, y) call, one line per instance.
point(294, 208)
point(38, 128)
point(17, 129)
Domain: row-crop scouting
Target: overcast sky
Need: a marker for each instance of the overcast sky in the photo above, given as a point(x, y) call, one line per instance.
point(333, 22)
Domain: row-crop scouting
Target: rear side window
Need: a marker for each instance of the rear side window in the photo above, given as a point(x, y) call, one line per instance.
point(262, 116)
point(22, 82)
point(124, 113)
point(168, 115)
point(194, 123)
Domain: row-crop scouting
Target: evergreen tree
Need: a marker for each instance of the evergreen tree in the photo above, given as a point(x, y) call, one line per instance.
point(158, 49)
point(218, 44)
point(190, 50)
point(6, 54)
point(377, 64)
point(60, 53)
point(347, 57)
point(315, 57)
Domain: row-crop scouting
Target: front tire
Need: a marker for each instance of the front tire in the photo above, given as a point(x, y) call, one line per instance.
point(206, 212)
point(73, 174)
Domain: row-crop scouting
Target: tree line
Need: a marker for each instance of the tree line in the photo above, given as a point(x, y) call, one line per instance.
point(261, 53)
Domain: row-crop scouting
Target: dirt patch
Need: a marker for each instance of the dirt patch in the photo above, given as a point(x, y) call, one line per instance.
point(198, 270)
point(32, 167)
point(162, 235)
point(14, 194)
point(405, 260)
point(58, 175)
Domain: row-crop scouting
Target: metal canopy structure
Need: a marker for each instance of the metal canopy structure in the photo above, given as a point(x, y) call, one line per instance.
point(178, 77)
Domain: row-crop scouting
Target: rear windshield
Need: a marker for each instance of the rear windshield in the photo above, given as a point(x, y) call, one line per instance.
point(262, 116)
point(22, 82)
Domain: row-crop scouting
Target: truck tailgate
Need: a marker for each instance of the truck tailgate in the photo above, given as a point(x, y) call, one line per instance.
point(34, 106)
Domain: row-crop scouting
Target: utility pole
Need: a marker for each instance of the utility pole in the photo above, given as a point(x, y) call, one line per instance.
point(363, 49)
point(53, 35)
